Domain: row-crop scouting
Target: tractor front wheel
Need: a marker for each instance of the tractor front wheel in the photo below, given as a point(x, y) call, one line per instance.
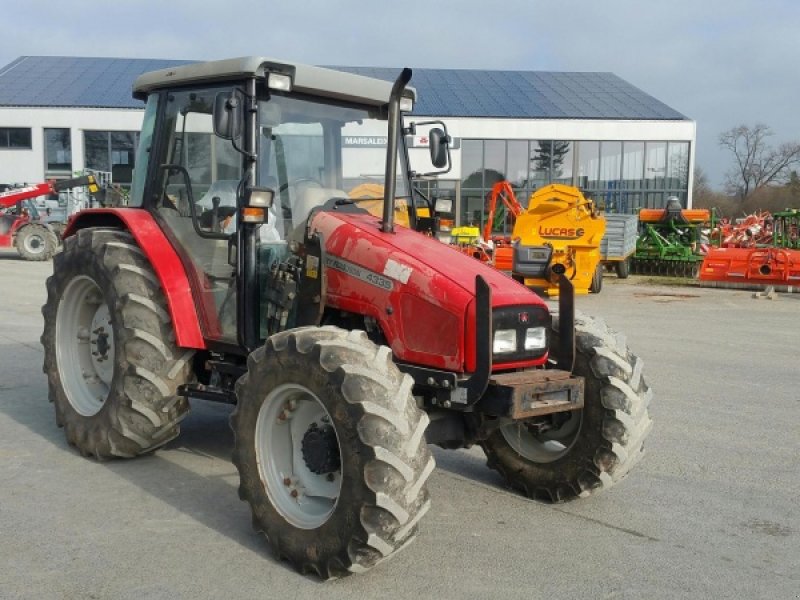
point(331, 450)
point(586, 450)
point(36, 242)
point(110, 357)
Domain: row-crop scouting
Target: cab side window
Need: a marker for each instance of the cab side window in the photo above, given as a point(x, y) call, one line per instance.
point(199, 176)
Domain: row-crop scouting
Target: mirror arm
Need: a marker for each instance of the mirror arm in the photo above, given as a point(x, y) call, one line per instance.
point(192, 208)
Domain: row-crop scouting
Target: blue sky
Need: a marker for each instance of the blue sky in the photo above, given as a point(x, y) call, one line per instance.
point(721, 63)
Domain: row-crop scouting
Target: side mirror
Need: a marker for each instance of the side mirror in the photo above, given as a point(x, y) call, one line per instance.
point(438, 141)
point(227, 115)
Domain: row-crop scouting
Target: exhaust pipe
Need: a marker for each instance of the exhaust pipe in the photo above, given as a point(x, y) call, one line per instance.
point(566, 320)
point(390, 183)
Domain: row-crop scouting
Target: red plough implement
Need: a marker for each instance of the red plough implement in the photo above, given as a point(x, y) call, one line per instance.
point(764, 266)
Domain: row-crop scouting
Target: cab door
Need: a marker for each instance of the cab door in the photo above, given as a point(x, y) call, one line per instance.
point(195, 198)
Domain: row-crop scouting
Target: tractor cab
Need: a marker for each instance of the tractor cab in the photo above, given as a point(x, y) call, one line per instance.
point(22, 209)
point(233, 168)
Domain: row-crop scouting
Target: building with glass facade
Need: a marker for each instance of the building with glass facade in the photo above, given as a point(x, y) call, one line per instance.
point(622, 147)
point(621, 176)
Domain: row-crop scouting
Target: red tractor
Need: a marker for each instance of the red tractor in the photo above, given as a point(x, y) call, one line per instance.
point(243, 271)
point(21, 225)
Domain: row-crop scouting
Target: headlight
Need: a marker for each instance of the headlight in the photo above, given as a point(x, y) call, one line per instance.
point(505, 341)
point(279, 81)
point(535, 338)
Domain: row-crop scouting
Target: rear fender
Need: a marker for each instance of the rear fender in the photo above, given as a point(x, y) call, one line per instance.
point(162, 257)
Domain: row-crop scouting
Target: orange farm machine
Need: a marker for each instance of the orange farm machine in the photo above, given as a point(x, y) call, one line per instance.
point(489, 247)
point(761, 249)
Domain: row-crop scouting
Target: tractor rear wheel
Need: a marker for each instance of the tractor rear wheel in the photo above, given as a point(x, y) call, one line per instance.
point(112, 365)
point(36, 242)
point(331, 450)
point(589, 449)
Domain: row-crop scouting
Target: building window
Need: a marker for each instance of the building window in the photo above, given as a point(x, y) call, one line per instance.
point(562, 162)
point(655, 165)
point(633, 165)
point(678, 166)
point(123, 156)
point(472, 168)
point(96, 155)
point(540, 153)
point(589, 165)
point(494, 162)
point(16, 138)
point(472, 163)
point(58, 151)
point(111, 152)
point(518, 164)
point(620, 176)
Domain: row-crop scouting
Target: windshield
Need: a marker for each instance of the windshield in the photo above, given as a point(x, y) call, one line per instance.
point(311, 152)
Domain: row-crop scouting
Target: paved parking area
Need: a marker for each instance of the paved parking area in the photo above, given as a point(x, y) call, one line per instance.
point(711, 512)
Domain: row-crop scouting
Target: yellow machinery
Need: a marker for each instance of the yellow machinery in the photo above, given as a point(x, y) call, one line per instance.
point(560, 226)
point(465, 236)
point(370, 197)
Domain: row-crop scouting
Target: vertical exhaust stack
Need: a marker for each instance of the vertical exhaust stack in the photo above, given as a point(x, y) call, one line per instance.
point(390, 183)
point(565, 359)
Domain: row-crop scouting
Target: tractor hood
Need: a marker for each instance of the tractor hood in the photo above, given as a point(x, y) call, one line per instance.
point(411, 249)
point(420, 291)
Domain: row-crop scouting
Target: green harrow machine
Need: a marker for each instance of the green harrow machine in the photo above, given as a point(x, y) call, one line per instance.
point(786, 229)
point(671, 241)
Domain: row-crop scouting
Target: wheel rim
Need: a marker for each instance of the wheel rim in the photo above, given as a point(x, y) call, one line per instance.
point(304, 497)
point(34, 243)
point(547, 446)
point(84, 346)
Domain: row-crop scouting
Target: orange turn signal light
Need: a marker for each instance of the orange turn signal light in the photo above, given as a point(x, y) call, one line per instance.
point(253, 215)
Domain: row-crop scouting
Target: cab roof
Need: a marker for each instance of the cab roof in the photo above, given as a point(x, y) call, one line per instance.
point(316, 81)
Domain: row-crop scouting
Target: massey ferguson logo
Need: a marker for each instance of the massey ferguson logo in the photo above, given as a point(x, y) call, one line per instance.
point(561, 233)
point(524, 317)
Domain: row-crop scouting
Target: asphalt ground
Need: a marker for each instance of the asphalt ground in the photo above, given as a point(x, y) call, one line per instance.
point(712, 511)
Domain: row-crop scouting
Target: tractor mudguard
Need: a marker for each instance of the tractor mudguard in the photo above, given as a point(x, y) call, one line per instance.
point(164, 260)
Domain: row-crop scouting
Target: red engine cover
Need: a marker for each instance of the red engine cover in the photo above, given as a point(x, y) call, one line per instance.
point(420, 290)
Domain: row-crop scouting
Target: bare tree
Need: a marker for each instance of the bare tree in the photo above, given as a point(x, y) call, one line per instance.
point(756, 163)
point(701, 186)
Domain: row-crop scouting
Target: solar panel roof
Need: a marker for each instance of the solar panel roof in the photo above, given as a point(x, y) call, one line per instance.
point(57, 81)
